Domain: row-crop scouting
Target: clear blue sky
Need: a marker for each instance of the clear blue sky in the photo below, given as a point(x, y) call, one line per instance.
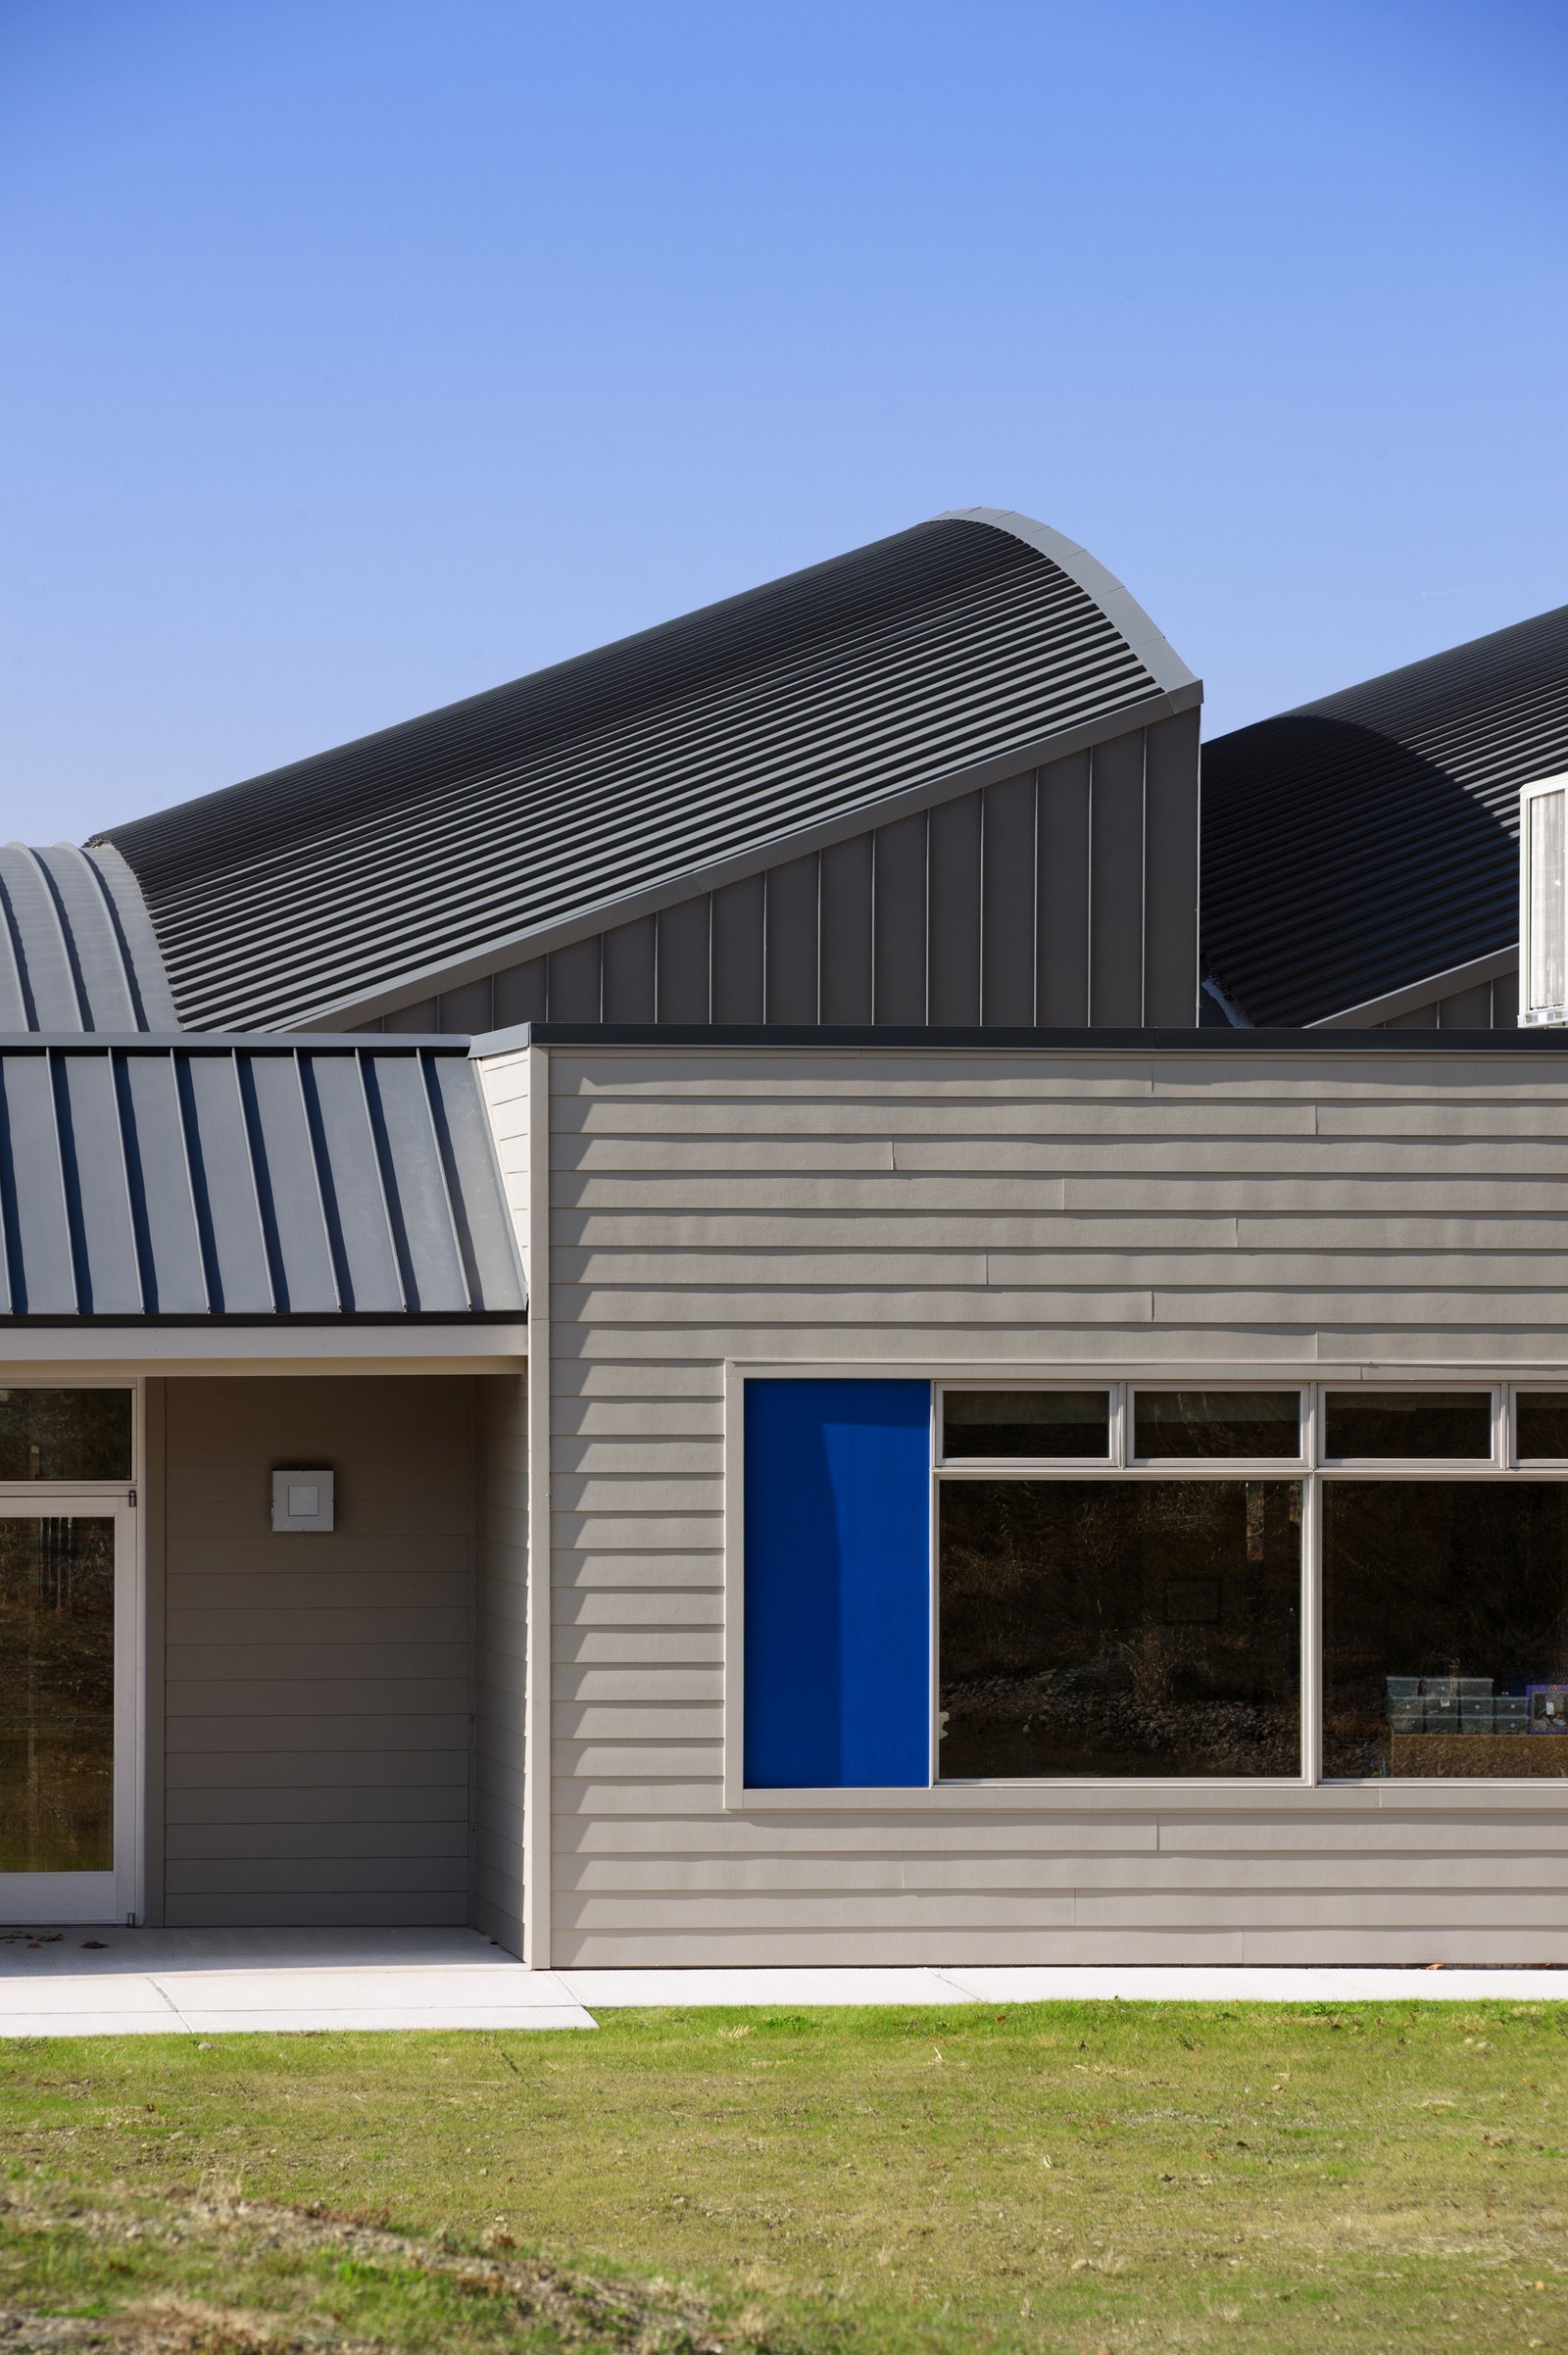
point(361, 354)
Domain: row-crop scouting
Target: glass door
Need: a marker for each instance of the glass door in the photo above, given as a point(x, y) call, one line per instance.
point(67, 1715)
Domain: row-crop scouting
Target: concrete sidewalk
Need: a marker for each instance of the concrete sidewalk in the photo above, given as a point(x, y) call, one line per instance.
point(82, 1982)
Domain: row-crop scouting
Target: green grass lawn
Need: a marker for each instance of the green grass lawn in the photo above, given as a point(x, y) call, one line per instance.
point(1080, 2177)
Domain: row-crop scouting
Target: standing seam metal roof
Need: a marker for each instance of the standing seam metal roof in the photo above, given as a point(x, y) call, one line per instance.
point(248, 1181)
point(309, 890)
point(1366, 842)
point(77, 948)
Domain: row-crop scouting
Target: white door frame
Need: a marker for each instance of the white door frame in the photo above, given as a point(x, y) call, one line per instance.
point(115, 1896)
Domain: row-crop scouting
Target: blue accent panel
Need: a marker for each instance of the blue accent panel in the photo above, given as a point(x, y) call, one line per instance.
point(838, 1584)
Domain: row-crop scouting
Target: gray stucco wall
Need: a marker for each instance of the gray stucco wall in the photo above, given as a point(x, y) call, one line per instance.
point(317, 1752)
point(1300, 1215)
point(1067, 895)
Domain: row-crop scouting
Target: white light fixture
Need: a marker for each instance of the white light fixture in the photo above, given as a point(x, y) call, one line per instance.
point(301, 1499)
point(1544, 901)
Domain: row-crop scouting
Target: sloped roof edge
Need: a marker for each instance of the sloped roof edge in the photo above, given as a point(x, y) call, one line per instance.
point(1116, 601)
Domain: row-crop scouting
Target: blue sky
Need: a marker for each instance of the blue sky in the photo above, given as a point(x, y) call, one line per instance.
point(358, 355)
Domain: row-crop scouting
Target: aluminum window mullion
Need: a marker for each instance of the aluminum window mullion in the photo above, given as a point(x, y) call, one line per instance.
point(1311, 1628)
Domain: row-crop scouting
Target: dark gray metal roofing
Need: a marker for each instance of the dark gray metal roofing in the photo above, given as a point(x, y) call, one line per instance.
point(1364, 843)
point(302, 894)
point(192, 1180)
point(77, 948)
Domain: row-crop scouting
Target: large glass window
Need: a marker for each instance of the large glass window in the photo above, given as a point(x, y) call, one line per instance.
point(1147, 1621)
point(64, 1435)
point(1446, 1627)
point(1122, 1628)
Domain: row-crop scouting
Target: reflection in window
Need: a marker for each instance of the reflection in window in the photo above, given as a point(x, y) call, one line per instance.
point(1026, 1422)
point(64, 1435)
point(1542, 1424)
point(1217, 1423)
point(57, 1695)
point(1126, 1627)
point(1446, 1627)
point(1408, 1423)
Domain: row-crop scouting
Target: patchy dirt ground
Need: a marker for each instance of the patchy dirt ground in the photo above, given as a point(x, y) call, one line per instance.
point(529, 2303)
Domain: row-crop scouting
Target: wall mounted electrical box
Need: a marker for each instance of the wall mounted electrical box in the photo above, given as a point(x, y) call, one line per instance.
point(301, 1499)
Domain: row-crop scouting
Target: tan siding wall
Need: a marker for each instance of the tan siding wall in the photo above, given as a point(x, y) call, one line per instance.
point(499, 1655)
point(319, 1688)
point(1299, 1212)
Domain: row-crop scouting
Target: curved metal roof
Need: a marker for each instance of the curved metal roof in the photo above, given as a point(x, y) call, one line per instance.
point(1362, 843)
point(300, 895)
point(190, 1181)
point(76, 948)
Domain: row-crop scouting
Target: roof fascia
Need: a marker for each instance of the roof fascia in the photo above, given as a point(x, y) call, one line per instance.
point(1446, 984)
point(305, 1349)
point(515, 948)
point(681, 1037)
point(226, 1041)
point(1116, 602)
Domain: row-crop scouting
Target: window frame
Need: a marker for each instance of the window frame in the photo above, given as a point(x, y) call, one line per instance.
point(1314, 1468)
point(1125, 1795)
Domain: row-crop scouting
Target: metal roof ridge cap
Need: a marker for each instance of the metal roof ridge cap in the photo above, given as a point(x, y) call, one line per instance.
point(1113, 598)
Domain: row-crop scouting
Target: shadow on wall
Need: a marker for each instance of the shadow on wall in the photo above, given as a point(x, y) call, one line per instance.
point(1338, 864)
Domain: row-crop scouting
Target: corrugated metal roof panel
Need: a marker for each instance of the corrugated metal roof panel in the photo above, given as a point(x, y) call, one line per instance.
point(715, 736)
point(1358, 844)
point(183, 1180)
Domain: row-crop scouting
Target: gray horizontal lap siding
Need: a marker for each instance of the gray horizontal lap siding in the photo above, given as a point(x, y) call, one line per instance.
point(319, 1689)
point(1119, 1211)
point(1066, 894)
point(897, 666)
point(189, 1181)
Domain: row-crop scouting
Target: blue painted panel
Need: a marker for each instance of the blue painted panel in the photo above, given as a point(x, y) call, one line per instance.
point(838, 1584)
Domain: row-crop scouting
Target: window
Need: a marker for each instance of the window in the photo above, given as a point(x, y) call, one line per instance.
point(1125, 1578)
point(64, 1435)
point(1218, 1423)
point(1412, 1424)
point(1542, 1426)
point(1129, 1627)
point(1038, 1423)
point(1444, 1626)
point(1543, 901)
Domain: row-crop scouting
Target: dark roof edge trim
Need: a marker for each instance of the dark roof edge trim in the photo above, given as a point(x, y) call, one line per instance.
point(861, 1039)
point(1116, 601)
point(515, 948)
point(232, 1042)
point(1445, 984)
point(305, 1321)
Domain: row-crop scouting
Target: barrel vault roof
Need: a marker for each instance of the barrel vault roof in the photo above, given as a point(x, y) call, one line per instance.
point(297, 897)
point(1362, 843)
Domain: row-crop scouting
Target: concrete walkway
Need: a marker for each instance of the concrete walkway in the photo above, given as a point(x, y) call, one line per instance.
point(73, 1983)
